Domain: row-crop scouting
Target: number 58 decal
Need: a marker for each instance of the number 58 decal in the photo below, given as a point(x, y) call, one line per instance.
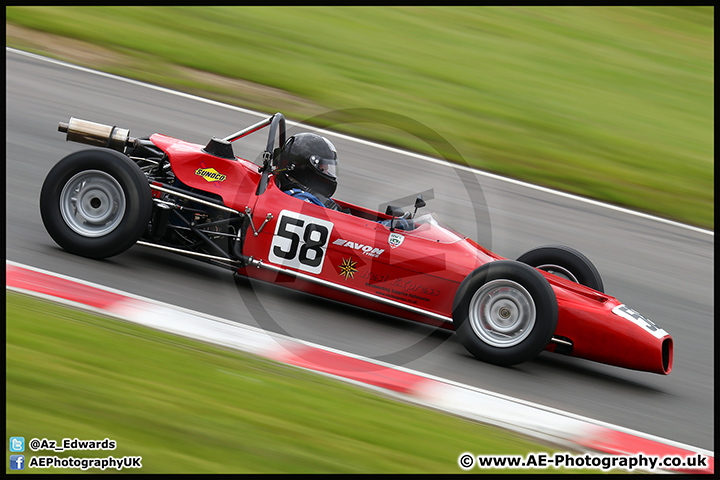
point(637, 319)
point(300, 241)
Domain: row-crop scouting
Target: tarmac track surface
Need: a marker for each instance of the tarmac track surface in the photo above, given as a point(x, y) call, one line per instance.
point(661, 269)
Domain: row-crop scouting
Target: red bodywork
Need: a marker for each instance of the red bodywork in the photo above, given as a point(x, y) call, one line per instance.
point(356, 260)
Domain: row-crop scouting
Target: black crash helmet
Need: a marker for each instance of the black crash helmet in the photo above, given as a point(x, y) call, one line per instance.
point(309, 161)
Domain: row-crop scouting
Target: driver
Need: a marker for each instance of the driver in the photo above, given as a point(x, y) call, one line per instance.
point(307, 169)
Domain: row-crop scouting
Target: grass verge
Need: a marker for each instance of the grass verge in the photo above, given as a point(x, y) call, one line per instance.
point(613, 103)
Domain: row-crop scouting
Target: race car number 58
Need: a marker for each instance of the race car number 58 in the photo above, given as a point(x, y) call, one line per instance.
point(300, 241)
point(637, 319)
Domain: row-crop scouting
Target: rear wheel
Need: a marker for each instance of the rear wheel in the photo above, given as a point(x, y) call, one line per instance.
point(505, 312)
point(564, 262)
point(95, 203)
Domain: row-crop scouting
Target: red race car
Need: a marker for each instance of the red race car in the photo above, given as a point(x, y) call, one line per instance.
point(203, 201)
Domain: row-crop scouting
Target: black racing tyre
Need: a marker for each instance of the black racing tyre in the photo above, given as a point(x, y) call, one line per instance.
point(565, 262)
point(95, 203)
point(505, 312)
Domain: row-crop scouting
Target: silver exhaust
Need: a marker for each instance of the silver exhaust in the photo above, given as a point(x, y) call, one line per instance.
point(97, 134)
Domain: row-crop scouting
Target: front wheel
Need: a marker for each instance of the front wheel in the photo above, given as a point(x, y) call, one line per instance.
point(95, 203)
point(505, 312)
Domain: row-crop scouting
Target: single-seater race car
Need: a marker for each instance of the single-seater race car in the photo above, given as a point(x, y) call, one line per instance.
point(204, 202)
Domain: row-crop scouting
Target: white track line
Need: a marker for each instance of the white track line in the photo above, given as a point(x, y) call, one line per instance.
point(369, 143)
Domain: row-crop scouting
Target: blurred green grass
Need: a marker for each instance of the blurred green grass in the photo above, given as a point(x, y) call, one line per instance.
point(188, 407)
point(612, 103)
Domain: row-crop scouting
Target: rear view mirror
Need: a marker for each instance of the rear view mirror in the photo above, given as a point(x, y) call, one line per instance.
point(419, 203)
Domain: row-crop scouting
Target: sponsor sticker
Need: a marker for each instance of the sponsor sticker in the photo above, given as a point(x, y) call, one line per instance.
point(395, 240)
point(210, 174)
point(367, 250)
point(348, 268)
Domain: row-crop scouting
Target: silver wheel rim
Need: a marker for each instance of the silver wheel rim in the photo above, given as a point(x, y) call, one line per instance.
point(558, 271)
point(502, 313)
point(92, 203)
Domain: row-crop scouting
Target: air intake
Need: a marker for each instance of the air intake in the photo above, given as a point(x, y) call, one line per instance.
point(220, 148)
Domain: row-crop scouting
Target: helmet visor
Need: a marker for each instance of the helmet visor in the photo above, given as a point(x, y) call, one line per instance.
point(327, 166)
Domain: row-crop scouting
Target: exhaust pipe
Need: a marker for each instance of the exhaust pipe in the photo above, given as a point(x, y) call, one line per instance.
point(97, 134)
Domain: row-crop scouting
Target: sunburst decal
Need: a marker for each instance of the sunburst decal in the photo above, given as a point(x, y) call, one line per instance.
point(347, 268)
